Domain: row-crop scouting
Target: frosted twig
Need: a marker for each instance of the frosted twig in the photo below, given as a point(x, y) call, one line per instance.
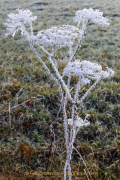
point(9, 116)
point(80, 40)
point(53, 52)
point(44, 65)
point(17, 95)
point(72, 135)
point(68, 84)
point(86, 174)
point(66, 137)
point(21, 104)
point(60, 79)
point(85, 95)
point(65, 170)
point(83, 161)
point(46, 51)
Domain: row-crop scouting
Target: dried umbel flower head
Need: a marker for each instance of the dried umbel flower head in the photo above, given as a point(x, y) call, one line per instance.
point(63, 36)
point(86, 70)
point(94, 16)
point(79, 122)
point(16, 22)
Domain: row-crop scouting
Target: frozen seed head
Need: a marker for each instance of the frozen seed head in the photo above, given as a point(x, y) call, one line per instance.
point(79, 122)
point(16, 22)
point(63, 36)
point(86, 70)
point(94, 16)
point(108, 73)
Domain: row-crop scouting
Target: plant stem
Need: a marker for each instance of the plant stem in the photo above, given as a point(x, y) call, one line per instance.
point(9, 116)
point(72, 133)
point(83, 162)
point(85, 95)
point(61, 80)
point(46, 51)
point(80, 40)
point(44, 65)
point(53, 52)
point(67, 164)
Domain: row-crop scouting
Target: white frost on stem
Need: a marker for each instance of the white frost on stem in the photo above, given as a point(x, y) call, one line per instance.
point(105, 74)
point(44, 65)
point(83, 162)
point(60, 79)
point(75, 126)
point(80, 40)
point(67, 164)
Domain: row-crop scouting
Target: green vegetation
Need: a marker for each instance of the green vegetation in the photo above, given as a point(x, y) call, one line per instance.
point(26, 141)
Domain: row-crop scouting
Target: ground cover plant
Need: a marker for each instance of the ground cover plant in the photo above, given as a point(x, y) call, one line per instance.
point(32, 89)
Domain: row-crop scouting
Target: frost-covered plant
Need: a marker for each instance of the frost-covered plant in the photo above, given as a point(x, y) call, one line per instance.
point(87, 72)
point(63, 36)
point(16, 22)
point(91, 15)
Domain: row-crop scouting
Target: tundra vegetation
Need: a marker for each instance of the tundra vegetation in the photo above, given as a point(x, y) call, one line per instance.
point(59, 112)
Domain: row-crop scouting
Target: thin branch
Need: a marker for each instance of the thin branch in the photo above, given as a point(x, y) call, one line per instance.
point(85, 95)
point(59, 112)
point(80, 40)
point(53, 52)
point(61, 80)
point(65, 170)
point(46, 51)
point(83, 162)
point(66, 137)
point(9, 115)
point(44, 65)
point(21, 104)
point(65, 100)
point(68, 84)
point(73, 116)
point(86, 174)
point(31, 29)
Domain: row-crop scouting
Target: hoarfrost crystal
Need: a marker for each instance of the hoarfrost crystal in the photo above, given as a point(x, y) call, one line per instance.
point(79, 122)
point(86, 70)
point(54, 36)
point(16, 22)
point(94, 16)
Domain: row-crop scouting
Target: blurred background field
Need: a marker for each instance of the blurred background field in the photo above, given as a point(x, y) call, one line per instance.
point(26, 142)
